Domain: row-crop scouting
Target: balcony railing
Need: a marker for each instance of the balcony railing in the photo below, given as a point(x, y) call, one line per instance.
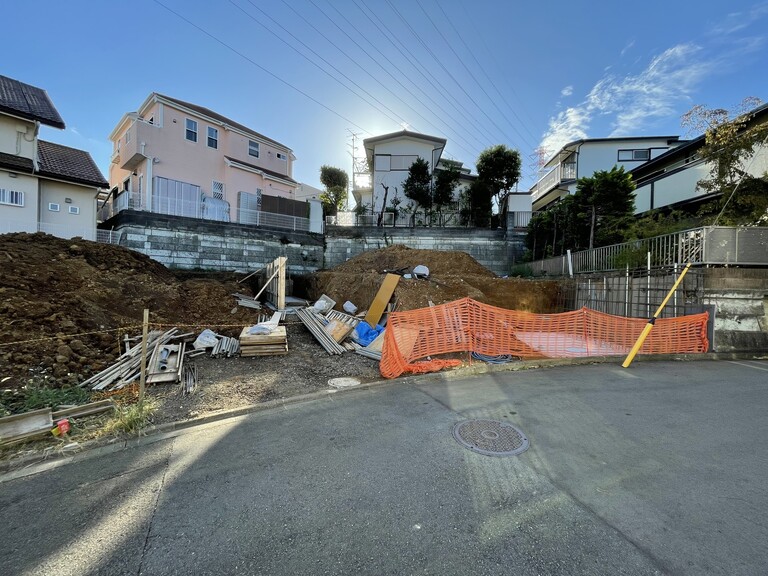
point(201, 209)
point(552, 179)
point(451, 219)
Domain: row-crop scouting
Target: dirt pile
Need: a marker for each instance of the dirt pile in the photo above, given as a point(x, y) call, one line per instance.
point(51, 289)
point(453, 275)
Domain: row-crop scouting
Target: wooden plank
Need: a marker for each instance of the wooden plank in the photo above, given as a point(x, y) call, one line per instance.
point(278, 335)
point(20, 426)
point(337, 330)
point(382, 298)
point(377, 344)
point(84, 410)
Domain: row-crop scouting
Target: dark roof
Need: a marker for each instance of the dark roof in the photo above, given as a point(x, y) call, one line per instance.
point(216, 116)
point(408, 133)
point(28, 102)
point(69, 164)
point(16, 163)
point(270, 172)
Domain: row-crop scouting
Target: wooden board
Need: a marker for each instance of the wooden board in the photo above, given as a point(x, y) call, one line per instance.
point(20, 426)
point(337, 330)
point(382, 298)
point(264, 350)
point(378, 343)
point(277, 336)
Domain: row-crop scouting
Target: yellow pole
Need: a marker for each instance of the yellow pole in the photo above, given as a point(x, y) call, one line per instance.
point(652, 320)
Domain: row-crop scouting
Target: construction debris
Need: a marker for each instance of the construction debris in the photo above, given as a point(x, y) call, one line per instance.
point(226, 347)
point(272, 344)
point(25, 426)
point(382, 298)
point(189, 378)
point(247, 301)
point(84, 410)
point(316, 324)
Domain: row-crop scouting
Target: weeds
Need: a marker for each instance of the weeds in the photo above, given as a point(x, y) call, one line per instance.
point(34, 397)
point(131, 419)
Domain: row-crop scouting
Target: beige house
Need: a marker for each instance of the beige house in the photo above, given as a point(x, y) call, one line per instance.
point(174, 157)
point(44, 187)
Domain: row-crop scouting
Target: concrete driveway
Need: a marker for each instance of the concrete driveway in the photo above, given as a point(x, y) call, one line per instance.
point(657, 469)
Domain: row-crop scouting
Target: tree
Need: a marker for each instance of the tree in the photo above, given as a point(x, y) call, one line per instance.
point(335, 181)
point(499, 167)
point(605, 204)
point(480, 206)
point(731, 139)
point(417, 187)
point(445, 184)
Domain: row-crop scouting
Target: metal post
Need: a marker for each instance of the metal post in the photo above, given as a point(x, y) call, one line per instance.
point(626, 294)
point(144, 332)
point(648, 287)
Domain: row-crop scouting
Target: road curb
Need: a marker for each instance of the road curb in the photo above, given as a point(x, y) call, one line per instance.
point(19, 467)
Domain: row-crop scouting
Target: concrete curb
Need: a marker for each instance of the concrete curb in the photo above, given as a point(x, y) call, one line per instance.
point(19, 467)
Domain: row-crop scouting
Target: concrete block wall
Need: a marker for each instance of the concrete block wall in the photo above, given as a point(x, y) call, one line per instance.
point(489, 247)
point(188, 244)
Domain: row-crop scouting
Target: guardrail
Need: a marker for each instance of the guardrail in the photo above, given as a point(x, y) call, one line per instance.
point(202, 210)
point(710, 245)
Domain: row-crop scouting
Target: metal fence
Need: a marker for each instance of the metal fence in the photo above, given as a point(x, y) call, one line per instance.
point(205, 209)
point(711, 245)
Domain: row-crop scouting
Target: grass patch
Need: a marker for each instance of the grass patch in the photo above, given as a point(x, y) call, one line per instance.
point(34, 397)
point(130, 420)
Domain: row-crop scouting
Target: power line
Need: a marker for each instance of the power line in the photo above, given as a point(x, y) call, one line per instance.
point(485, 73)
point(260, 67)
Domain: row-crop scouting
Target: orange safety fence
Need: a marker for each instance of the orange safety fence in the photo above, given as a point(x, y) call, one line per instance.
point(469, 326)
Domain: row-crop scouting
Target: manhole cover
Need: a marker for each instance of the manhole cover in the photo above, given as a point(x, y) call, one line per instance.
point(490, 437)
point(343, 382)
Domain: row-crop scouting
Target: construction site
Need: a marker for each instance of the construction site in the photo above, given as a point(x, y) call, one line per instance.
point(74, 315)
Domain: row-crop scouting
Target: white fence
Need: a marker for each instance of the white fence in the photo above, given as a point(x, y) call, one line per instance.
point(710, 245)
point(206, 209)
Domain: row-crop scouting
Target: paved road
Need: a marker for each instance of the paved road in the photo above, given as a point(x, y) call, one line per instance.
point(659, 469)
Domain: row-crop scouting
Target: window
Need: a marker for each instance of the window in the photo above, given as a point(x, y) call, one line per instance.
point(53, 207)
point(382, 163)
point(151, 120)
point(213, 137)
point(253, 148)
point(191, 133)
point(12, 197)
point(281, 156)
point(127, 184)
point(217, 189)
point(74, 209)
point(402, 162)
point(634, 155)
point(128, 137)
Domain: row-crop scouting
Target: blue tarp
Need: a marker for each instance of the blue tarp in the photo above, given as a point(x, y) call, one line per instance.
point(364, 334)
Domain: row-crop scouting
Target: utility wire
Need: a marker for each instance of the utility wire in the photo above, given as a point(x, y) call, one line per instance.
point(425, 73)
point(345, 53)
point(260, 67)
point(485, 73)
point(395, 120)
point(472, 75)
point(440, 63)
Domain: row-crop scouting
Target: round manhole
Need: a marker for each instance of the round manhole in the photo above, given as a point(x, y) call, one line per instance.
point(490, 437)
point(343, 382)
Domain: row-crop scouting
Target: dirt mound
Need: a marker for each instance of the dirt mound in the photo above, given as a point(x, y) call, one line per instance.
point(51, 289)
point(453, 275)
point(440, 263)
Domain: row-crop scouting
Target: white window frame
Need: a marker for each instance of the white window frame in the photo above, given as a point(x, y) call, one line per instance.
point(54, 207)
point(217, 189)
point(11, 197)
point(634, 155)
point(254, 146)
point(190, 131)
point(74, 209)
point(214, 138)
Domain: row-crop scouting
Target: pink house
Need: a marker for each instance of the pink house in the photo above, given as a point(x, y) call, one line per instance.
point(174, 157)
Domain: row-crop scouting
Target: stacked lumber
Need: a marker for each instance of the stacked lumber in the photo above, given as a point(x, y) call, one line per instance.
point(272, 344)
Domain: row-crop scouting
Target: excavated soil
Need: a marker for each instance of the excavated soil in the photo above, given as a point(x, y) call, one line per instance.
point(66, 305)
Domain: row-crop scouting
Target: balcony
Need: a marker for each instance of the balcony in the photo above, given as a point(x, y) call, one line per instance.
point(563, 172)
point(133, 145)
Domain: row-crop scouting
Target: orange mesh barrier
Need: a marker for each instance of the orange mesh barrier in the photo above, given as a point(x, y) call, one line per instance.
point(469, 326)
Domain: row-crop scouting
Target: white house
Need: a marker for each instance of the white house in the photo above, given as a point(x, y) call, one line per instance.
point(390, 156)
point(586, 156)
point(671, 180)
point(44, 186)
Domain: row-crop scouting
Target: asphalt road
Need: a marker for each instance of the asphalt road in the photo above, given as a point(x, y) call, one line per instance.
point(658, 469)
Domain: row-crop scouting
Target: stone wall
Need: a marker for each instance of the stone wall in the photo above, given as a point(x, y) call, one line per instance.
point(491, 248)
point(189, 244)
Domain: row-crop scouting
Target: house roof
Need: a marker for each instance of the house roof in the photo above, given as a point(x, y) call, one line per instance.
point(16, 163)
point(223, 119)
point(28, 102)
point(69, 164)
point(260, 169)
point(404, 133)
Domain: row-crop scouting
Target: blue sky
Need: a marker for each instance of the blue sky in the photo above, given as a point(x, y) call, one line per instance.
point(308, 73)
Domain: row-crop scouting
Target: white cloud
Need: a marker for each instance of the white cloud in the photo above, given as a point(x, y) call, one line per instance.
point(627, 47)
point(633, 100)
point(737, 21)
point(567, 91)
